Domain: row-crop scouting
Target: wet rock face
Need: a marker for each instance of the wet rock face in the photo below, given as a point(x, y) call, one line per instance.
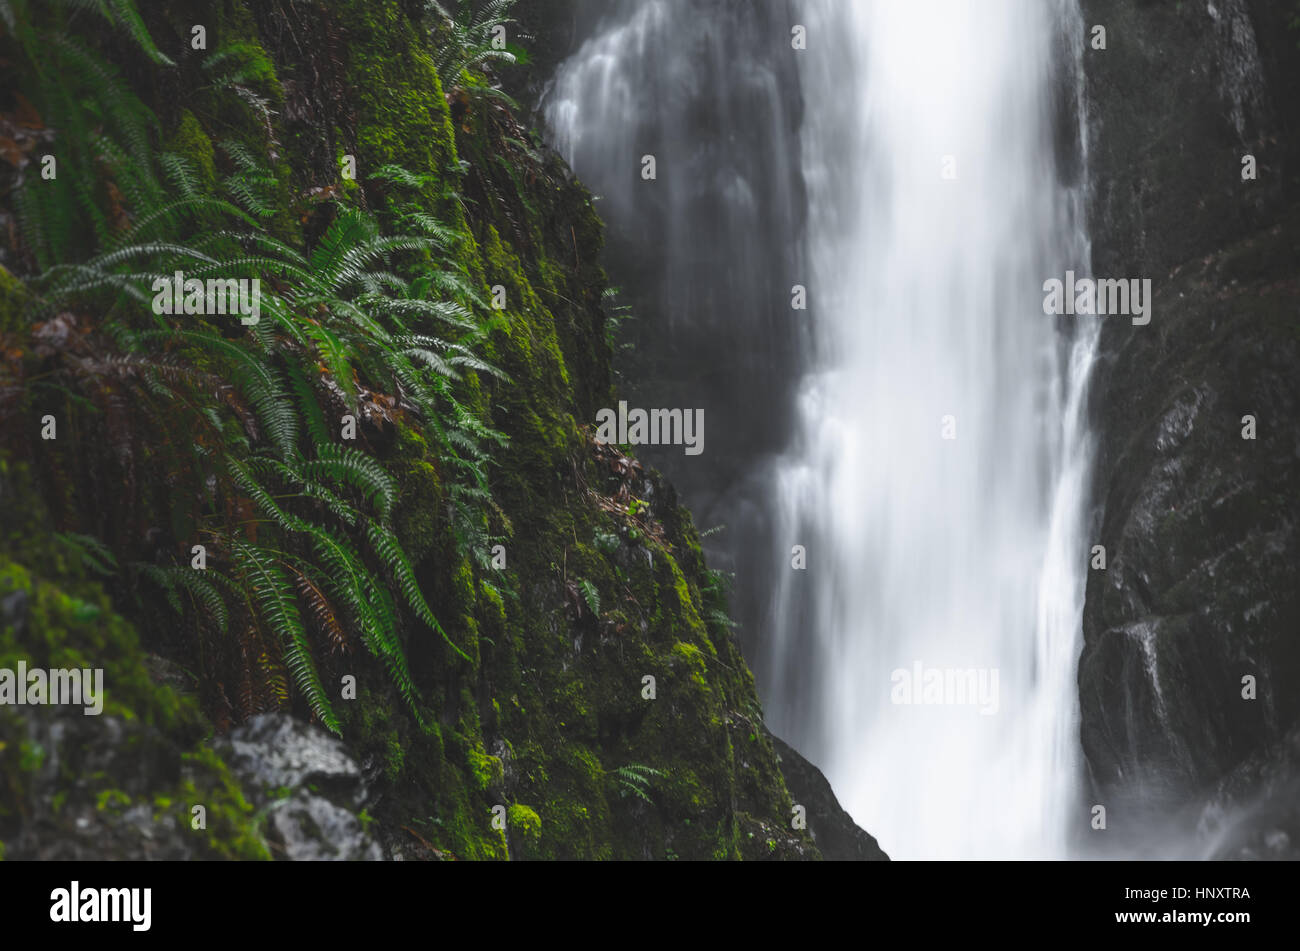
point(302, 781)
point(1254, 812)
point(308, 785)
point(838, 837)
point(1199, 523)
point(1179, 96)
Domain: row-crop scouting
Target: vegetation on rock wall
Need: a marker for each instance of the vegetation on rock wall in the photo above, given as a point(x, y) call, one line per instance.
point(384, 484)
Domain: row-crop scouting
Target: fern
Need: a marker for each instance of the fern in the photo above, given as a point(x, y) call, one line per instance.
point(91, 552)
point(101, 124)
point(400, 176)
point(165, 580)
point(252, 187)
point(198, 584)
point(590, 595)
point(634, 780)
point(275, 597)
point(308, 405)
point(355, 586)
point(466, 37)
point(300, 526)
point(239, 64)
point(123, 15)
point(345, 464)
point(322, 610)
point(260, 383)
point(387, 546)
point(714, 595)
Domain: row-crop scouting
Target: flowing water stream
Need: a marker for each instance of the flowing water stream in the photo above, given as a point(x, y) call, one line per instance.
point(935, 460)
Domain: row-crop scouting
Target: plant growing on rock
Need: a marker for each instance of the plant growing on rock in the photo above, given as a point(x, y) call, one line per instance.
point(471, 36)
point(269, 436)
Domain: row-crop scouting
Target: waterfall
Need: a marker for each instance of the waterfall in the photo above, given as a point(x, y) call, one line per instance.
point(934, 473)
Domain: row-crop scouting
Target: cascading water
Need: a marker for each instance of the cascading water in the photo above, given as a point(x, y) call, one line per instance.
point(939, 198)
point(939, 480)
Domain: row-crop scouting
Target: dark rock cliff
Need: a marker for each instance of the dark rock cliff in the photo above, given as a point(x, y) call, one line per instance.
point(1199, 524)
point(837, 836)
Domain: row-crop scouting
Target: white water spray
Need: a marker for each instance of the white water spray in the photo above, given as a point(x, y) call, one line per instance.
point(935, 216)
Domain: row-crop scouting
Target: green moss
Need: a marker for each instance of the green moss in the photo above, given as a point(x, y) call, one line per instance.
point(488, 771)
point(31, 756)
point(396, 758)
point(190, 142)
point(404, 117)
point(463, 582)
point(113, 800)
point(13, 303)
point(65, 630)
point(418, 508)
point(694, 660)
point(245, 57)
point(493, 605)
point(524, 822)
point(231, 832)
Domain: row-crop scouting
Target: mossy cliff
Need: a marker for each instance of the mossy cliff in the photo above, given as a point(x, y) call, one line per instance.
point(599, 705)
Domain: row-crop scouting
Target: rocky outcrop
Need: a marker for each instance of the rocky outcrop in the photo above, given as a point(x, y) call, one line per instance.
point(1191, 656)
point(66, 815)
point(308, 787)
point(837, 836)
point(134, 781)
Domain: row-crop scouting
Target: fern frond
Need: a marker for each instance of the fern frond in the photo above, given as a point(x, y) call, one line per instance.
point(308, 405)
point(321, 611)
point(390, 550)
point(336, 355)
point(274, 596)
point(591, 595)
point(90, 551)
point(401, 176)
point(165, 580)
point(634, 780)
point(198, 584)
point(123, 14)
point(445, 311)
point(252, 187)
point(349, 465)
point(431, 227)
point(259, 382)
